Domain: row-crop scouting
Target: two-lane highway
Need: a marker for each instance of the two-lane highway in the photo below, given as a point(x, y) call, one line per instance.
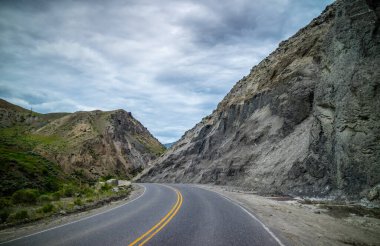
point(163, 215)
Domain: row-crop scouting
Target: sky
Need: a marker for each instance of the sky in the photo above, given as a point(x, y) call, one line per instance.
point(169, 62)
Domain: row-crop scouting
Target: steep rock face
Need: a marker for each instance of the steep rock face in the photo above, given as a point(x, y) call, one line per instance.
point(305, 121)
point(102, 143)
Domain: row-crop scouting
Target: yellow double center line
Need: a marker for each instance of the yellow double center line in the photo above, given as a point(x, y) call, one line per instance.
point(161, 224)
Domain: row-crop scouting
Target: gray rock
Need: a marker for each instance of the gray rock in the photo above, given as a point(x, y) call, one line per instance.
point(374, 193)
point(99, 185)
point(113, 182)
point(124, 183)
point(305, 121)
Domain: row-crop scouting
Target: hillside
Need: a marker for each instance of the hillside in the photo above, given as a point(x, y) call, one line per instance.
point(101, 143)
point(44, 151)
point(9, 106)
point(305, 121)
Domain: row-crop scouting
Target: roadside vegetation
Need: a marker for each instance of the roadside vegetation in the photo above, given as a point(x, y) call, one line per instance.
point(22, 168)
point(33, 187)
point(27, 205)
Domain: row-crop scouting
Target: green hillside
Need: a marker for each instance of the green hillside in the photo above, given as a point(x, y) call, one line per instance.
point(52, 162)
point(21, 167)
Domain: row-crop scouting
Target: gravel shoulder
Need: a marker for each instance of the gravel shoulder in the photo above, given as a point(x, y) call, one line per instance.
point(297, 223)
point(30, 228)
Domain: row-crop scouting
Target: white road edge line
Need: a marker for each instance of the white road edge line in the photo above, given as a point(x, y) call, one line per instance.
point(73, 222)
point(248, 212)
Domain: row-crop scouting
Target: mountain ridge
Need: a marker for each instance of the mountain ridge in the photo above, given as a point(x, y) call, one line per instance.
point(93, 144)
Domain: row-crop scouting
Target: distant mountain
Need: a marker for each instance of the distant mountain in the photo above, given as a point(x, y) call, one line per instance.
point(88, 144)
point(305, 121)
point(168, 145)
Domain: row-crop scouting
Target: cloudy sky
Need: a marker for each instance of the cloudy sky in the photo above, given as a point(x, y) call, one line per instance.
point(169, 62)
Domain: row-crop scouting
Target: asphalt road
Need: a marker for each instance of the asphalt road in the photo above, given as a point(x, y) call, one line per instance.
point(163, 215)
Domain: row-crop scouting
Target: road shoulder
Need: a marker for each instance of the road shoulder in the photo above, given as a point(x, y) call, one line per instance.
point(304, 224)
point(35, 227)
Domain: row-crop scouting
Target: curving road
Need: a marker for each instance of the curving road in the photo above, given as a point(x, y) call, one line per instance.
point(163, 215)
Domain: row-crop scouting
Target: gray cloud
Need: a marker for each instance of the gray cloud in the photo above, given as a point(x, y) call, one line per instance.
point(169, 62)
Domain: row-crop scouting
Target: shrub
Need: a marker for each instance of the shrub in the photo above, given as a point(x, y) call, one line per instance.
point(4, 214)
point(44, 198)
point(5, 203)
point(106, 187)
point(27, 196)
point(107, 177)
point(21, 215)
point(47, 208)
point(87, 191)
point(59, 205)
point(68, 190)
point(70, 206)
point(50, 183)
point(56, 196)
point(78, 202)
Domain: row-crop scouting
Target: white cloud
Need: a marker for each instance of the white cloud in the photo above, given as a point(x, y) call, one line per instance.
point(168, 62)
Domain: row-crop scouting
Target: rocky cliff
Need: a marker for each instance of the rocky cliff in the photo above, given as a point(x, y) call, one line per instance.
point(305, 121)
point(101, 143)
point(88, 144)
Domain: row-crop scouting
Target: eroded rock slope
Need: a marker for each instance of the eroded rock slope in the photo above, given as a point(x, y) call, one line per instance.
point(305, 121)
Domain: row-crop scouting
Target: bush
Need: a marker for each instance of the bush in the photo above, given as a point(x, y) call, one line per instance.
point(78, 202)
point(4, 214)
point(5, 203)
point(68, 191)
point(56, 196)
point(47, 208)
point(106, 187)
point(50, 183)
point(21, 215)
point(27, 196)
point(87, 192)
point(107, 177)
point(44, 198)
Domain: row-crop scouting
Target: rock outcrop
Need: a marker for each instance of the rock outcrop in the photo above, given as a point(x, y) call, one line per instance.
point(305, 121)
point(86, 144)
point(102, 143)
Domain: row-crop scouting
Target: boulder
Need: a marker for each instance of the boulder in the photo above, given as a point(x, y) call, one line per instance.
point(124, 183)
point(113, 182)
